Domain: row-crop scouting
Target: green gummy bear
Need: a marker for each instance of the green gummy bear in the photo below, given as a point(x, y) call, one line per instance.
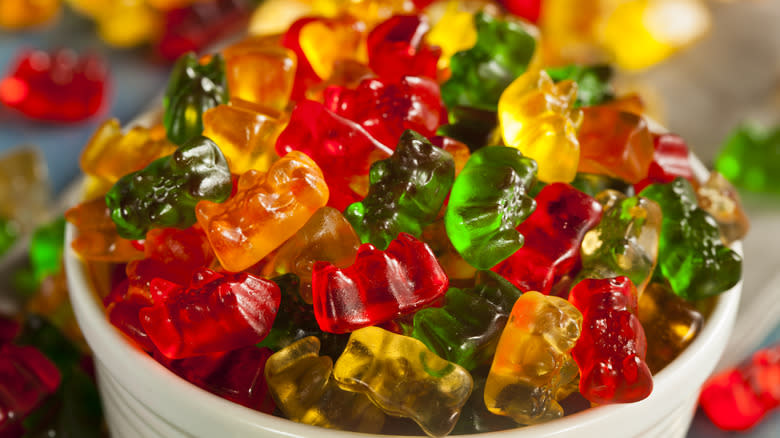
point(46, 249)
point(488, 200)
point(691, 254)
point(193, 88)
point(295, 321)
point(165, 192)
point(625, 241)
point(406, 194)
point(503, 50)
point(593, 82)
point(466, 329)
point(750, 158)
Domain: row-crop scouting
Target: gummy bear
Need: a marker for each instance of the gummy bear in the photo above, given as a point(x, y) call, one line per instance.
point(538, 118)
point(615, 143)
point(503, 51)
point(267, 209)
point(378, 287)
point(59, 86)
point(611, 350)
point(553, 235)
point(301, 383)
point(396, 48)
point(720, 199)
point(738, 398)
point(691, 254)
point(401, 376)
point(193, 88)
point(164, 193)
point(110, 154)
point(488, 200)
point(214, 313)
point(386, 109)
point(625, 242)
point(97, 237)
point(258, 70)
point(465, 330)
point(670, 322)
point(407, 191)
point(532, 359)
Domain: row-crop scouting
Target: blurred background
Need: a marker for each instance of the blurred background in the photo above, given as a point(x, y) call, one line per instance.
point(702, 67)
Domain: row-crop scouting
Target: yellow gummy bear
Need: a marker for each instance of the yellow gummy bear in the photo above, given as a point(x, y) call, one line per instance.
point(404, 378)
point(538, 117)
point(300, 382)
point(453, 32)
point(533, 367)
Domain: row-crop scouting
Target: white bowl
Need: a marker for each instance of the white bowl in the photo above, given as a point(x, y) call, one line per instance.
point(142, 399)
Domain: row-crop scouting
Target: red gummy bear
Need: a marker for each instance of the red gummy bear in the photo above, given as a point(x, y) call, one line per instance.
point(235, 375)
point(611, 350)
point(553, 235)
point(340, 147)
point(59, 87)
point(670, 160)
point(396, 48)
point(528, 9)
point(27, 377)
point(171, 254)
point(215, 313)
point(378, 287)
point(738, 398)
point(192, 28)
point(386, 109)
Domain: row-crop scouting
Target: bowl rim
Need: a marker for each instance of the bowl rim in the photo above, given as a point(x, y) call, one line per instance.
point(174, 399)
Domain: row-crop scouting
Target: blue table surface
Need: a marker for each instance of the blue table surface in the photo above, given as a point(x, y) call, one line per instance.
point(136, 79)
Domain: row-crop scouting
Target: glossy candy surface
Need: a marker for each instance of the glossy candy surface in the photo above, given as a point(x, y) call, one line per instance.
point(396, 48)
point(553, 234)
point(406, 194)
point(301, 383)
point(670, 323)
point(538, 118)
point(214, 313)
point(691, 254)
point(164, 193)
point(193, 88)
point(246, 134)
point(614, 143)
point(610, 353)
point(267, 209)
point(378, 287)
point(503, 51)
point(532, 361)
point(340, 147)
point(625, 241)
point(326, 236)
point(111, 154)
point(488, 200)
point(385, 109)
point(401, 376)
point(465, 330)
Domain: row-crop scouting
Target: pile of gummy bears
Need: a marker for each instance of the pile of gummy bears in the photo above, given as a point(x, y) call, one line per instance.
point(411, 215)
